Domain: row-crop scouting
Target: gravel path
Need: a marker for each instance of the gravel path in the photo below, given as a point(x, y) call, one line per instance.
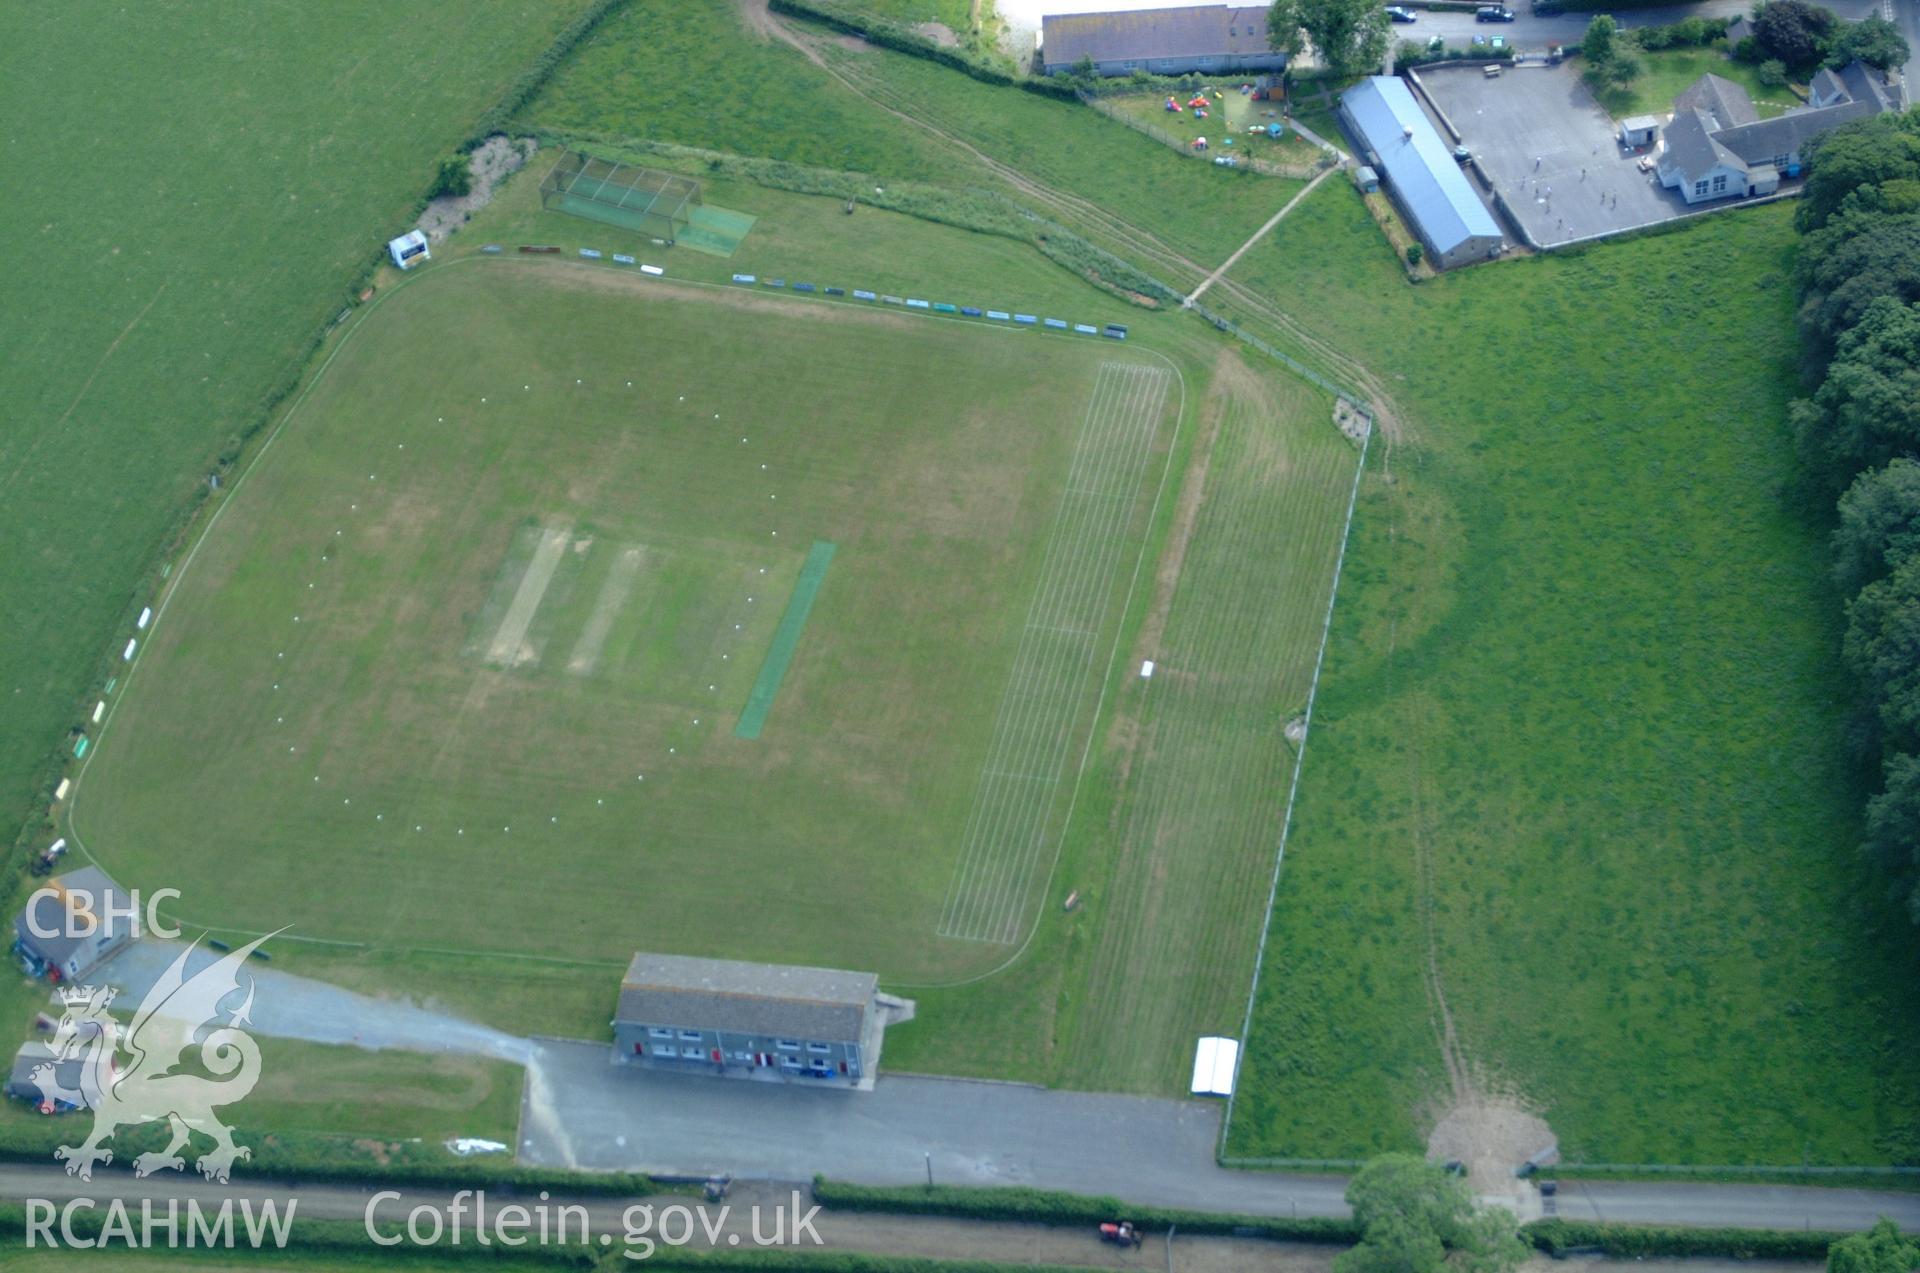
point(289, 1006)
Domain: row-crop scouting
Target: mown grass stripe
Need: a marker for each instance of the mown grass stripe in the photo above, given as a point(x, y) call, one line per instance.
point(786, 639)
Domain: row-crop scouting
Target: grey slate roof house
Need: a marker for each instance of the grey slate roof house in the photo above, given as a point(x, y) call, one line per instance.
point(1396, 138)
point(50, 946)
point(753, 1020)
point(1212, 39)
point(1717, 146)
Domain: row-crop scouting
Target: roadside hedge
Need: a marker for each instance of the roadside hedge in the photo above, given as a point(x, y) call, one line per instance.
point(1557, 1238)
point(326, 1159)
point(777, 1260)
point(1632, 1241)
point(1412, 54)
point(1051, 1206)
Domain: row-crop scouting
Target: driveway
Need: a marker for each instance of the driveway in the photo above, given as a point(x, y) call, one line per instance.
point(607, 1116)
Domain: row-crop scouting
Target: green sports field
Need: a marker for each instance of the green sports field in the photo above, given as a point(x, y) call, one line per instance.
point(461, 662)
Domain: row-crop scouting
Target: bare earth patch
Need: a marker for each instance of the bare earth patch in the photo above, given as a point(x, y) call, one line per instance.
point(1350, 420)
point(939, 33)
point(1491, 1135)
point(494, 160)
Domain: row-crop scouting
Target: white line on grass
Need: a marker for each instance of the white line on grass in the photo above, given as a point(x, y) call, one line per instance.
point(1095, 585)
point(1006, 831)
point(1019, 703)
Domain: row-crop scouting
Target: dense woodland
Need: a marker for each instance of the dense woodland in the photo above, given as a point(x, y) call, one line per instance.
point(1859, 430)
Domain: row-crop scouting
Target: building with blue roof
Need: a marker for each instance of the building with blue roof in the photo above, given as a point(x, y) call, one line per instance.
point(1398, 140)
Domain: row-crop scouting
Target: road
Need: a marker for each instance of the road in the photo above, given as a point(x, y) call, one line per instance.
point(594, 1114)
point(1532, 33)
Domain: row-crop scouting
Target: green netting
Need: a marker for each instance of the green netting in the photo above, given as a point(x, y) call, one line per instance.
point(714, 231)
point(786, 639)
point(640, 199)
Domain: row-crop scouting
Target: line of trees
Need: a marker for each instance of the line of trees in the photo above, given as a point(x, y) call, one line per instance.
point(1351, 36)
point(1800, 37)
point(1859, 434)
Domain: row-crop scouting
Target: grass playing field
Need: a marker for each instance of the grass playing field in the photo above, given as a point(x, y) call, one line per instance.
point(469, 646)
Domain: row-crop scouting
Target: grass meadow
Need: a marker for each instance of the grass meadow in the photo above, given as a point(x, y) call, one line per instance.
point(1580, 723)
point(181, 239)
point(479, 630)
point(1668, 71)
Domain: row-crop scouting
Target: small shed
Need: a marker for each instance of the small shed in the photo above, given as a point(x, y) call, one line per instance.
point(1366, 178)
point(409, 249)
point(1638, 130)
point(1214, 1062)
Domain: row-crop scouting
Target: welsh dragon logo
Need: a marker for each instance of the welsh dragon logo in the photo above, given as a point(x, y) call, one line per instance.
point(147, 1088)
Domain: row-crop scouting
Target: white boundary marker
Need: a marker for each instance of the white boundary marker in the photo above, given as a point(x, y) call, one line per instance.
point(1293, 790)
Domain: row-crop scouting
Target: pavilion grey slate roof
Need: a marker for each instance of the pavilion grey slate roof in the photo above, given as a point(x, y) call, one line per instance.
point(47, 905)
point(1423, 172)
point(782, 1000)
point(1201, 30)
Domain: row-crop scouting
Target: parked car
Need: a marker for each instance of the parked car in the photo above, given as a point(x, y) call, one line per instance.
point(1400, 14)
point(1493, 13)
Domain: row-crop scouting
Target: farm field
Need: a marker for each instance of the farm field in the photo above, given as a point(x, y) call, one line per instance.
point(1577, 740)
point(693, 72)
point(483, 631)
point(151, 319)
